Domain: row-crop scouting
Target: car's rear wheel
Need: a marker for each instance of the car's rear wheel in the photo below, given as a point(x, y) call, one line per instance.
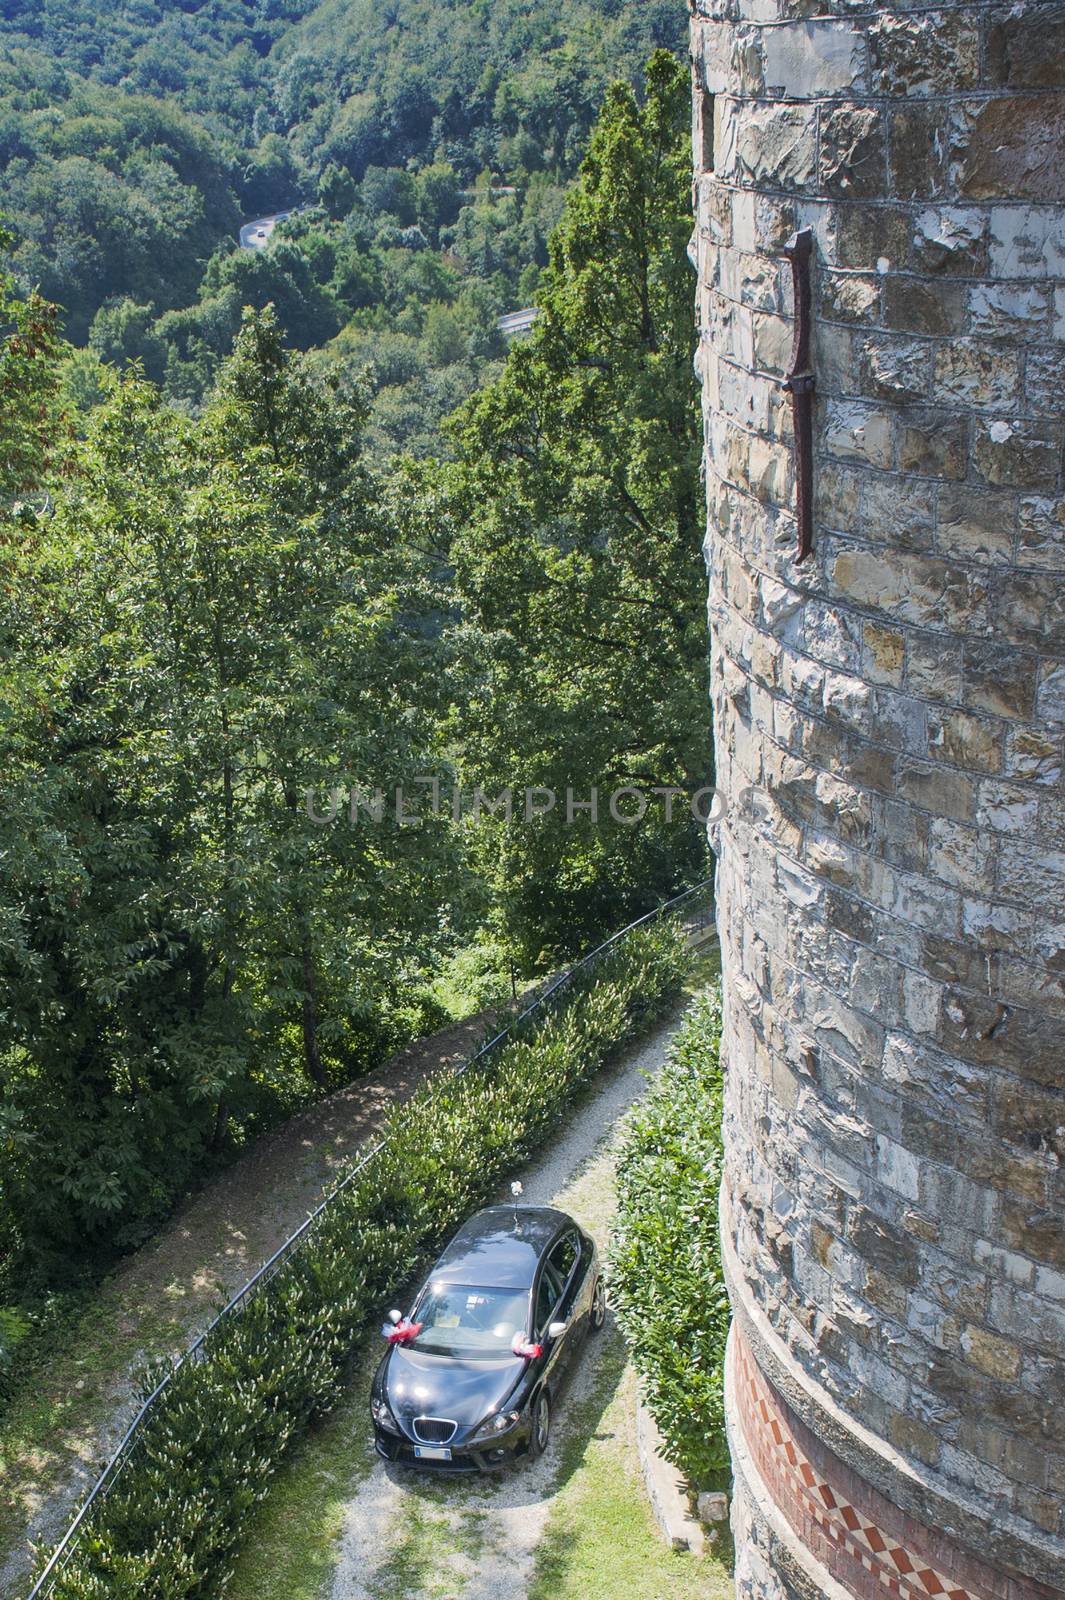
point(541, 1425)
point(598, 1305)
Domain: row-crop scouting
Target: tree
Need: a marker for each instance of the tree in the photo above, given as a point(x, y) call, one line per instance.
point(208, 622)
point(32, 429)
point(576, 546)
point(336, 191)
point(123, 331)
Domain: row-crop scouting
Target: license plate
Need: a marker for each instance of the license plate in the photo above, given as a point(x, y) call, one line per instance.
point(432, 1452)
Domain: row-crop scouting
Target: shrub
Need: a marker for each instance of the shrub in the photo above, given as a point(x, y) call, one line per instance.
point(174, 1520)
point(667, 1287)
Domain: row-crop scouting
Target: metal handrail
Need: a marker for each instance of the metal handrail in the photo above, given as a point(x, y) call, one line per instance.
point(195, 1352)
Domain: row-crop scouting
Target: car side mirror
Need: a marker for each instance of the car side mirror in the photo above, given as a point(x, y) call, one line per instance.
point(395, 1318)
point(555, 1330)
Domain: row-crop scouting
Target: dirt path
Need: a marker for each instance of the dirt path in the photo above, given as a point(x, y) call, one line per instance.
point(343, 1525)
point(53, 1442)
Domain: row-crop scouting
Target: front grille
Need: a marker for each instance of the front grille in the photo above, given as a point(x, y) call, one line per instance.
point(434, 1430)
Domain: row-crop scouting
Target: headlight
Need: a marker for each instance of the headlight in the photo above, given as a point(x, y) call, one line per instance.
point(382, 1414)
point(499, 1423)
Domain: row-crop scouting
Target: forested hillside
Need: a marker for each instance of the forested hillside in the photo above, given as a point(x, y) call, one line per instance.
point(431, 144)
point(209, 620)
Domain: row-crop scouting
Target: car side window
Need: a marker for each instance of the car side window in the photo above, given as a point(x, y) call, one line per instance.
point(548, 1295)
point(563, 1257)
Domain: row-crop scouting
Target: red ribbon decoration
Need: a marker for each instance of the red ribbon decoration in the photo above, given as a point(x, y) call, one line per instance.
point(404, 1332)
point(530, 1352)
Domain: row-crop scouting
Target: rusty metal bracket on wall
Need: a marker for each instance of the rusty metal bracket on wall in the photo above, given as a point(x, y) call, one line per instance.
point(801, 383)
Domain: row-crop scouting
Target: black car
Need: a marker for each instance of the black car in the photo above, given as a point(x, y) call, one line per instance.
point(473, 1372)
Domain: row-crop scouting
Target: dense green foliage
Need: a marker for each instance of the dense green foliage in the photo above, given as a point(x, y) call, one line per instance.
point(579, 580)
point(666, 1282)
point(31, 423)
point(202, 624)
point(180, 1508)
point(204, 618)
point(134, 139)
point(111, 195)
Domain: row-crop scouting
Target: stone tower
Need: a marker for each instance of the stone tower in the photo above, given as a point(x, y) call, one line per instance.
point(890, 718)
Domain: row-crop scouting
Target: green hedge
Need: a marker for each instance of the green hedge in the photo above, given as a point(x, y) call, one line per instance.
point(173, 1523)
point(666, 1282)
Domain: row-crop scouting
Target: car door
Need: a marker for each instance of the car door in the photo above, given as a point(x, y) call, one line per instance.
point(548, 1297)
point(562, 1272)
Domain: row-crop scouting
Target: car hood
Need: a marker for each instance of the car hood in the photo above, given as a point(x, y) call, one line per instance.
point(463, 1390)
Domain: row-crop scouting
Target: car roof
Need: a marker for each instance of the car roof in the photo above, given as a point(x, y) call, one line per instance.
point(501, 1246)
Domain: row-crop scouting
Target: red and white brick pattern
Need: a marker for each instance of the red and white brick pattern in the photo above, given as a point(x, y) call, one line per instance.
point(869, 1546)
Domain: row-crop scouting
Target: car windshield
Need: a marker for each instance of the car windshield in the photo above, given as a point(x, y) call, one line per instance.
point(461, 1320)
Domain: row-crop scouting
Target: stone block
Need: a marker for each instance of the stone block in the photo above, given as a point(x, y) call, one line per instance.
point(1038, 877)
point(750, 280)
point(933, 667)
point(1039, 1233)
point(900, 511)
point(960, 856)
point(976, 524)
point(837, 497)
point(1050, 701)
point(1000, 679)
point(1026, 242)
point(911, 588)
point(835, 360)
point(921, 903)
point(976, 374)
point(964, 740)
point(990, 1353)
point(1029, 1116)
point(1021, 455)
point(807, 60)
point(847, 297)
point(883, 654)
point(847, 700)
point(1033, 755)
point(854, 431)
point(852, 161)
point(1009, 148)
point(1026, 48)
point(918, 150)
point(921, 1004)
point(756, 402)
point(915, 1438)
point(896, 369)
point(934, 443)
point(951, 240)
point(1030, 608)
point(832, 636)
point(772, 337)
point(883, 1245)
point(1044, 380)
point(866, 235)
point(775, 145)
point(931, 54)
point(917, 305)
point(775, 220)
point(1018, 311)
point(940, 790)
point(1006, 808)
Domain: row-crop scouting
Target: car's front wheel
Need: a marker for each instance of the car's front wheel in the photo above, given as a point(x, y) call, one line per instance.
point(541, 1425)
point(598, 1305)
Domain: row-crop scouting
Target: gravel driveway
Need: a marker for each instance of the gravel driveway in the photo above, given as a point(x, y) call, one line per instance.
point(413, 1538)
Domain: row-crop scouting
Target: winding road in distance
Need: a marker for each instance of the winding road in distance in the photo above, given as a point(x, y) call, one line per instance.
point(256, 235)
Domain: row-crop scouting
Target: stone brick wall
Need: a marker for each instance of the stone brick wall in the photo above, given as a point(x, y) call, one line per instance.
point(890, 722)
